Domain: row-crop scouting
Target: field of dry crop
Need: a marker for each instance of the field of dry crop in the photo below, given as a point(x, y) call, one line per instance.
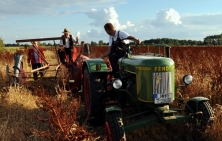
point(20, 109)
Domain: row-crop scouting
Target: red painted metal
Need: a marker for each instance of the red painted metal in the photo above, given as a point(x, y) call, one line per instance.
point(108, 132)
point(87, 94)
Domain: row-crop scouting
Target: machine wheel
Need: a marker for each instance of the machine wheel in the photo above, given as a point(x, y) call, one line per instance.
point(208, 114)
point(93, 89)
point(114, 127)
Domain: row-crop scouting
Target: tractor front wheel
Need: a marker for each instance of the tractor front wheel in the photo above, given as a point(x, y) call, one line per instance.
point(114, 127)
point(204, 114)
point(207, 114)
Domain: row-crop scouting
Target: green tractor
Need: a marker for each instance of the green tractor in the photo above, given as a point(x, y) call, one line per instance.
point(145, 82)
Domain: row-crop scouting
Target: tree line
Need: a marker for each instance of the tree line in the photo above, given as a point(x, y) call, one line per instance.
point(207, 41)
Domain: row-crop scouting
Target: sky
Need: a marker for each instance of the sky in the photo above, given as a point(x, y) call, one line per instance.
point(143, 19)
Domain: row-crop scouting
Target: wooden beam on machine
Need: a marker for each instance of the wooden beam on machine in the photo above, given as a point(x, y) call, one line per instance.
point(58, 67)
point(40, 68)
point(38, 39)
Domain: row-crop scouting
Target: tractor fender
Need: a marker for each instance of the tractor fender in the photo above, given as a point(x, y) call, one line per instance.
point(91, 64)
point(192, 104)
point(112, 109)
point(198, 99)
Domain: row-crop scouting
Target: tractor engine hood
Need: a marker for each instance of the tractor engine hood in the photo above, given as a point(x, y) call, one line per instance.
point(154, 77)
point(149, 62)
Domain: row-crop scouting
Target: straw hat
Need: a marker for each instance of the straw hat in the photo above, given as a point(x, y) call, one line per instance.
point(66, 30)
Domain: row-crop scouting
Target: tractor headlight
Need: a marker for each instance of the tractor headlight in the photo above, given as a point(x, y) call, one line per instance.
point(117, 83)
point(187, 79)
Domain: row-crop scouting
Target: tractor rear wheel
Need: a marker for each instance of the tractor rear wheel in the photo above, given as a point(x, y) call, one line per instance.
point(114, 127)
point(94, 93)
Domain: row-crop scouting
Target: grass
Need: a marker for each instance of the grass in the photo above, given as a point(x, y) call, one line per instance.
point(17, 121)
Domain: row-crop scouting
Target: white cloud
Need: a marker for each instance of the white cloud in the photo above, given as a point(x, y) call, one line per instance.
point(94, 35)
point(167, 24)
point(172, 16)
point(205, 24)
point(203, 20)
point(100, 17)
point(129, 24)
point(30, 7)
point(166, 18)
point(170, 24)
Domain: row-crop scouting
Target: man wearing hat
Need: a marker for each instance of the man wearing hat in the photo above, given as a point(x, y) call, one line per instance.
point(67, 43)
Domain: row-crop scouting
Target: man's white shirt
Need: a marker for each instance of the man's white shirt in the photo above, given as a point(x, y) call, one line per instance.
point(122, 35)
point(67, 41)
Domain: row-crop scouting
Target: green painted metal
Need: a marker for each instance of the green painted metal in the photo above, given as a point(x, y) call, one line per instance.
point(138, 114)
point(162, 115)
point(145, 68)
point(198, 99)
point(142, 123)
point(132, 100)
point(146, 60)
point(195, 100)
point(91, 64)
point(113, 108)
point(180, 118)
point(153, 120)
point(169, 115)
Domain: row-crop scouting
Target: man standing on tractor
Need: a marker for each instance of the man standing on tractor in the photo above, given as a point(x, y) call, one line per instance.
point(67, 43)
point(115, 41)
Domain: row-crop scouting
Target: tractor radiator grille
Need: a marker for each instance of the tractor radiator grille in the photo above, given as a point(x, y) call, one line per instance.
point(162, 83)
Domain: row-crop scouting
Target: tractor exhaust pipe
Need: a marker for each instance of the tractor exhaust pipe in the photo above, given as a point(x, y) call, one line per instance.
point(167, 48)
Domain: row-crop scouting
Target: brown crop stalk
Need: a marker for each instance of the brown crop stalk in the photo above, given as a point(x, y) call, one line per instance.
point(61, 119)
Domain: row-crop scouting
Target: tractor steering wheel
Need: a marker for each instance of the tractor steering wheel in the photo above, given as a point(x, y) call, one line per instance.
point(136, 45)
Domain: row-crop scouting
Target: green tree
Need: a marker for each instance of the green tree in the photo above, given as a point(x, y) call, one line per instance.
point(93, 43)
point(142, 43)
point(43, 44)
point(194, 43)
point(49, 44)
point(175, 42)
point(2, 45)
point(39, 43)
point(100, 42)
